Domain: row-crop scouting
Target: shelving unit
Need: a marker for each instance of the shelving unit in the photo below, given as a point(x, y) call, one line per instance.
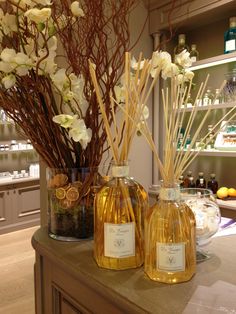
point(19, 196)
point(212, 107)
point(213, 61)
point(204, 24)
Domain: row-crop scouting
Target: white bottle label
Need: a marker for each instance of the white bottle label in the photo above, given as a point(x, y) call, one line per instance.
point(170, 256)
point(119, 240)
point(193, 59)
point(230, 45)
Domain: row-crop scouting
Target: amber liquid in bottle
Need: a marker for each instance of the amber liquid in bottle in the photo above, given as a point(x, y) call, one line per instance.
point(118, 225)
point(170, 243)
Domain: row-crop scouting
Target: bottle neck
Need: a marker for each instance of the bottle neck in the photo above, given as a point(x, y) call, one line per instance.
point(119, 171)
point(170, 193)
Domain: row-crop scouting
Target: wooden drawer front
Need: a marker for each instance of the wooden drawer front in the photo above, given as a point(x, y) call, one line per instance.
point(64, 304)
point(28, 201)
point(5, 209)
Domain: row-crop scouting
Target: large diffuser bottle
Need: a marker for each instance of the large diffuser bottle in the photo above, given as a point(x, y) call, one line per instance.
point(118, 231)
point(170, 240)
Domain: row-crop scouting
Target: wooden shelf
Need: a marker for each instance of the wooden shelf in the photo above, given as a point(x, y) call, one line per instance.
point(212, 107)
point(16, 151)
point(214, 153)
point(214, 61)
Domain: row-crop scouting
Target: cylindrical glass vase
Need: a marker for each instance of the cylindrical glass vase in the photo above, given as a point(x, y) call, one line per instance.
point(170, 238)
point(70, 203)
point(118, 223)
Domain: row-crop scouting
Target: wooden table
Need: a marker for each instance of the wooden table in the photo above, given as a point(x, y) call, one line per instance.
point(68, 281)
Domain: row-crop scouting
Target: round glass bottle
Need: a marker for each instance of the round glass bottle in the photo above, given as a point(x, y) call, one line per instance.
point(118, 224)
point(170, 238)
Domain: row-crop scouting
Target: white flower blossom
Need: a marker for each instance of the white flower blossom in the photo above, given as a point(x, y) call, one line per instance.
point(76, 9)
point(38, 15)
point(188, 75)
point(159, 61)
point(9, 81)
point(79, 133)
point(183, 59)
point(134, 64)
point(170, 70)
point(65, 120)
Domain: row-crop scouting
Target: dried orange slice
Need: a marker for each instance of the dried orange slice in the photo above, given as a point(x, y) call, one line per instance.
point(60, 193)
point(60, 179)
point(72, 194)
point(77, 184)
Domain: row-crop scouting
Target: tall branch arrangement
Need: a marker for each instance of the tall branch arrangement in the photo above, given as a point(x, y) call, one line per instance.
point(48, 93)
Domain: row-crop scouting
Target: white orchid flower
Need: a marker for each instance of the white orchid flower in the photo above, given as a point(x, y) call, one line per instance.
point(7, 55)
point(188, 75)
point(59, 79)
point(134, 64)
point(65, 120)
point(37, 15)
point(24, 63)
point(6, 67)
point(9, 81)
point(76, 9)
point(43, 2)
point(79, 133)
point(183, 59)
point(169, 70)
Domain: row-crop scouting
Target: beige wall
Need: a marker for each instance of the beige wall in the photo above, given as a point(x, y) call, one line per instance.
point(141, 156)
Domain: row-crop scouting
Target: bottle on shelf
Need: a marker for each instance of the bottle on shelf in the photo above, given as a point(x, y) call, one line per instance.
point(189, 102)
point(218, 98)
point(181, 45)
point(194, 54)
point(191, 183)
point(201, 181)
point(181, 182)
point(212, 184)
point(230, 36)
point(207, 98)
point(187, 179)
point(210, 139)
point(187, 142)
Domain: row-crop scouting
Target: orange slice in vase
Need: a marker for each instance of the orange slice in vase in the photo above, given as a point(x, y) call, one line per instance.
point(72, 194)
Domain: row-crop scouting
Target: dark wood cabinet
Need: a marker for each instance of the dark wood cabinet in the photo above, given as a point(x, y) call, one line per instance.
point(68, 281)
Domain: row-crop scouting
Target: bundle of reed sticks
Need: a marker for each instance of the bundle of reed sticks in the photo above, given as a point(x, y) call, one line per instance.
point(174, 100)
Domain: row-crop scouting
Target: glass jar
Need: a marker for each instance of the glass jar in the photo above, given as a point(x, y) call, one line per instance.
point(229, 91)
point(118, 221)
point(170, 238)
point(70, 203)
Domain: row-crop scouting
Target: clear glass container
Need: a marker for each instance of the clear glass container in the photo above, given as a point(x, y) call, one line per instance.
point(229, 91)
point(70, 203)
point(170, 238)
point(207, 213)
point(118, 233)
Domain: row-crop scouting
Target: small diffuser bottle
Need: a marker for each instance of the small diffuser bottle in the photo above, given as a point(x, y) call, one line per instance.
point(181, 45)
point(194, 54)
point(118, 224)
point(170, 243)
point(230, 36)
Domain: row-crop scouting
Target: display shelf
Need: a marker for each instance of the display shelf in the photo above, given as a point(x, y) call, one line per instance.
point(212, 107)
point(213, 152)
point(229, 204)
point(213, 61)
point(16, 151)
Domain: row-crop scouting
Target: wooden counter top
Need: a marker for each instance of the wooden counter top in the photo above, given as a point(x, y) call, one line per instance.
point(74, 276)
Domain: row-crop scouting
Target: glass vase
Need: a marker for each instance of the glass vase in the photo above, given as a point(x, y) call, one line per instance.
point(207, 214)
point(118, 232)
point(170, 238)
point(70, 203)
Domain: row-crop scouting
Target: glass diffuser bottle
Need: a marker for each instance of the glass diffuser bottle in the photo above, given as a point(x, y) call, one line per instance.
point(118, 233)
point(170, 238)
